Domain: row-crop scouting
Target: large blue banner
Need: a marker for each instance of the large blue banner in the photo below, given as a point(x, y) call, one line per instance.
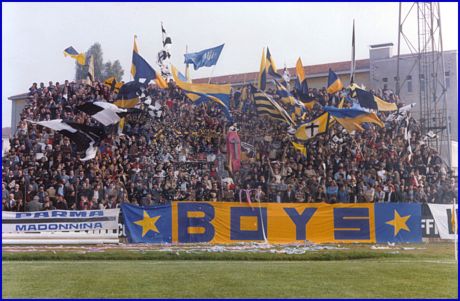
point(221, 222)
point(207, 57)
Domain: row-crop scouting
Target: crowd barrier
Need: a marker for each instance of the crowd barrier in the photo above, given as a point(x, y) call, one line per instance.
point(61, 227)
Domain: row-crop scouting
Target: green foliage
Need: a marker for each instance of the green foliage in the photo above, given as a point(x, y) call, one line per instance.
point(102, 70)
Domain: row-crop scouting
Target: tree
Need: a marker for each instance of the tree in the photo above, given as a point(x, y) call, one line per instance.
point(101, 70)
point(113, 69)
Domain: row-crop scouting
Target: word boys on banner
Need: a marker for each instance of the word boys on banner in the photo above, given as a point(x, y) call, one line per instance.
point(197, 222)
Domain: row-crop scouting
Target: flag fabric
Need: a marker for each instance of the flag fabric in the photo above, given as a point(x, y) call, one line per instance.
point(182, 77)
point(300, 147)
point(104, 112)
point(135, 50)
point(141, 69)
point(267, 106)
point(353, 61)
point(166, 39)
point(352, 118)
point(204, 58)
point(91, 77)
point(401, 113)
point(368, 100)
point(113, 84)
point(271, 66)
point(313, 128)
point(128, 97)
point(148, 224)
point(164, 55)
point(86, 138)
point(334, 84)
point(79, 57)
point(262, 84)
point(301, 85)
point(199, 93)
point(297, 107)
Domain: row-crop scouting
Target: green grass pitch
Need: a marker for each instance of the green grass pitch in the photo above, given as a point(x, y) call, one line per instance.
point(427, 272)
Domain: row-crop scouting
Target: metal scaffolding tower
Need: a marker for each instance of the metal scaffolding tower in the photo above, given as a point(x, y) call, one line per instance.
point(426, 46)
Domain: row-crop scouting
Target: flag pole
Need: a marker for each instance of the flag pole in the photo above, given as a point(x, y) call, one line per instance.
point(352, 71)
point(212, 72)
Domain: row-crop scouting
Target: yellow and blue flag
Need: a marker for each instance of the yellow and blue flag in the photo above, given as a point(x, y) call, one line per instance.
point(296, 106)
point(204, 58)
point(199, 93)
point(113, 84)
point(334, 84)
point(301, 85)
point(266, 106)
point(311, 129)
point(271, 66)
point(128, 96)
point(141, 69)
point(352, 118)
point(300, 147)
point(368, 100)
point(148, 224)
point(262, 84)
point(80, 57)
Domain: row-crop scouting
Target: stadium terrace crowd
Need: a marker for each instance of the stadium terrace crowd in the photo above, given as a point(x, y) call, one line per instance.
point(180, 155)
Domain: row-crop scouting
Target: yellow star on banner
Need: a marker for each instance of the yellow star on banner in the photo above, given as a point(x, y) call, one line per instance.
point(399, 222)
point(148, 223)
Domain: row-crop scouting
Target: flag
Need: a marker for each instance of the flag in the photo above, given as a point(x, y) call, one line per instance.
point(267, 106)
point(182, 77)
point(262, 73)
point(333, 82)
point(79, 57)
point(297, 106)
point(148, 224)
point(166, 39)
point(199, 93)
point(113, 84)
point(300, 147)
point(271, 66)
point(353, 62)
point(206, 58)
point(141, 69)
point(104, 112)
point(352, 118)
point(312, 128)
point(301, 85)
point(128, 97)
point(368, 100)
point(400, 113)
point(86, 138)
point(91, 77)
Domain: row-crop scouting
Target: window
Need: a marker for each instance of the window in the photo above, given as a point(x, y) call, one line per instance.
point(409, 83)
point(447, 76)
